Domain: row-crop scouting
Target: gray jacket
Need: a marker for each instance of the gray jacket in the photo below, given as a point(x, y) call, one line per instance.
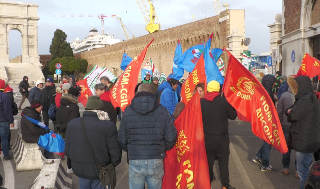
point(285, 102)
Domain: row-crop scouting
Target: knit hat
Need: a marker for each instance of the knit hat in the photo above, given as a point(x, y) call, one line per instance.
point(284, 78)
point(50, 80)
point(213, 86)
point(35, 104)
point(155, 79)
point(66, 86)
point(94, 103)
point(74, 92)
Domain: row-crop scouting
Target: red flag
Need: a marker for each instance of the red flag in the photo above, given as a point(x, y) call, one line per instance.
point(310, 66)
point(246, 94)
point(123, 91)
point(198, 75)
point(85, 92)
point(185, 165)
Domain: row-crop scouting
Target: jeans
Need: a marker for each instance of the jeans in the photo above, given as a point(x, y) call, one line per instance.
point(146, 170)
point(304, 161)
point(91, 184)
point(4, 134)
point(286, 156)
point(264, 153)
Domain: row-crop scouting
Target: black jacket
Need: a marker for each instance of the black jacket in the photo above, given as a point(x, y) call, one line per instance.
point(146, 130)
point(47, 96)
point(30, 131)
point(267, 82)
point(24, 85)
point(304, 116)
point(67, 111)
point(215, 115)
point(103, 139)
point(6, 114)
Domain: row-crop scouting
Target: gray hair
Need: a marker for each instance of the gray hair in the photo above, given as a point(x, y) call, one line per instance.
point(145, 87)
point(101, 86)
point(105, 78)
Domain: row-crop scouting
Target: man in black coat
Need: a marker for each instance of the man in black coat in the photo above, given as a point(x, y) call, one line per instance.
point(23, 88)
point(146, 132)
point(102, 135)
point(215, 114)
point(305, 128)
point(47, 98)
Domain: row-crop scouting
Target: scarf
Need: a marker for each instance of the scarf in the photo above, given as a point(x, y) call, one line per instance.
point(211, 96)
point(101, 114)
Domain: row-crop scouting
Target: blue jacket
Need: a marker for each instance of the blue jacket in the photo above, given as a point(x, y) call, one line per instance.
point(165, 85)
point(169, 99)
point(283, 88)
point(146, 129)
point(34, 94)
point(6, 114)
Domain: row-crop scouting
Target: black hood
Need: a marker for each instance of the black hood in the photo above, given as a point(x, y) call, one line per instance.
point(24, 77)
point(67, 99)
point(28, 111)
point(268, 81)
point(304, 86)
point(144, 103)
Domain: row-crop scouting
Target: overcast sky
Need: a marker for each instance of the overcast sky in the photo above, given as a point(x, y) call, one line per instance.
point(259, 13)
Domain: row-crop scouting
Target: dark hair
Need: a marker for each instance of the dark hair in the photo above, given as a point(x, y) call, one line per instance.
point(201, 85)
point(101, 86)
point(105, 78)
point(172, 81)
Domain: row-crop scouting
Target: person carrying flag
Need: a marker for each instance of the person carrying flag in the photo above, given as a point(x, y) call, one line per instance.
point(169, 98)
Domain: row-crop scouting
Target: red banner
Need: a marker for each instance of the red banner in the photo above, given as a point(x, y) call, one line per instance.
point(185, 165)
point(246, 94)
point(310, 66)
point(123, 91)
point(198, 75)
point(85, 92)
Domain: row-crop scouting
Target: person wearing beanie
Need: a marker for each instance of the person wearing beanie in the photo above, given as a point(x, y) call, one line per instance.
point(23, 88)
point(155, 84)
point(216, 111)
point(284, 86)
point(35, 92)
point(169, 98)
point(102, 135)
point(103, 92)
point(47, 98)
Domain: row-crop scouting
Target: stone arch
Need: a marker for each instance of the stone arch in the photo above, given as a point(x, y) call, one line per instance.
point(307, 10)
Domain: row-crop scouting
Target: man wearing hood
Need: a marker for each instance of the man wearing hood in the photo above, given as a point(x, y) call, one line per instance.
point(215, 114)
point(146, 132)
point(169, 98)
point(35, 92)
point(23, 88)
point(284, 86)
point(305, 128)
point(47, 98)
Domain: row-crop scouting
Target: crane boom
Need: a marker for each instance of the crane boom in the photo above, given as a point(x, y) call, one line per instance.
point(149, 16)
point(124, 29)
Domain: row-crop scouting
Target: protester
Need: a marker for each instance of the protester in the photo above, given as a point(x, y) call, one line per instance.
point(106, 81)
point(9, 92)
point(165, 85)
point(102, 136)
point(285, 102)
point(284, 86)
point(35, 92)
point(263, 155)
point(305, 128)
point(103, 92)
point(147, 79)
point(66, 79)
point(200, 89)
point(23, 87)
point(47, 98)
point(60, 91)
point(146, 132)
point(6, 120)
point(278, 83)
point(155, 84)
point(168, 97)
point(177, 111)
point(215, 114)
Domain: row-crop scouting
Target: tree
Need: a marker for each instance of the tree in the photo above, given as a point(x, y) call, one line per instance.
point(70, 65)
point(59, 46)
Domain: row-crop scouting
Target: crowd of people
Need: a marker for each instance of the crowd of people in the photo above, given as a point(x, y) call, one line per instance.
point(93, 143)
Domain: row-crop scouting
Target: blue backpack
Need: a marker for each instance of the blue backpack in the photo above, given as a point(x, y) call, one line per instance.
point(52, 112)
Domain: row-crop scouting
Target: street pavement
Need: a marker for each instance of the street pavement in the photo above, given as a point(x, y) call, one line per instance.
point(244, 174)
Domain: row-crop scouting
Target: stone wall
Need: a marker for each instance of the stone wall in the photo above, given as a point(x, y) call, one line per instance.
point(162, 49)
point(292, 13)
point(17, 59)
point(315, 15)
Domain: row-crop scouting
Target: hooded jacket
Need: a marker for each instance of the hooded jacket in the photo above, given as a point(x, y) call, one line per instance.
point(304, 116)
point(24, 85)
point(108, 107)
point(68, 111)
point(146, 130)
point(283, 88)
point(169, 99)
point(47, 97)
point(30, 131)
point(284, 103)
point(268, 82)
point(34, 93)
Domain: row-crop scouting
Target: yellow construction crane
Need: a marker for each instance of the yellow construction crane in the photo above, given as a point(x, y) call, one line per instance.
point(218, 7)
point(124, 29)
point(150, 17)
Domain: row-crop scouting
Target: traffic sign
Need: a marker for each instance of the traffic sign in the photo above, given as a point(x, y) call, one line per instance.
point(58, 71)
point(269, 61)
point(293, 56)
point(58, 65)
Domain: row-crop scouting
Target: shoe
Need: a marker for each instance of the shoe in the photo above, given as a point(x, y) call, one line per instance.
point(296, 176)
point(70, 171)
point(267, 169)
point(285, 171)
point(7, 157)
point(230, 187)
point(257, 160)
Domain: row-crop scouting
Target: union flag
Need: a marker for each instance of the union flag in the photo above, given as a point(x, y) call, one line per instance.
point(85, 92)
point(310, 66)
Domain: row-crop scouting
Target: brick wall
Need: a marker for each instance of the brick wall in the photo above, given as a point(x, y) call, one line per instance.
point(315, 14)
point(162, 49)
point(292, 13)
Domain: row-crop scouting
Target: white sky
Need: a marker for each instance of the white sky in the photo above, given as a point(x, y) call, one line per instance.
point(259, 13)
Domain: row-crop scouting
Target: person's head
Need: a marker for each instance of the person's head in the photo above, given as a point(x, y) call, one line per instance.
point(74, 92)
point(65, 79)
point(145, 87)
point(178, 109)
point(2, 84)
point(39, 84)
point(49, 81)
point(278, 73)
point(25, 78)
point(66, 87)
point(213, 86)
point(283, 78)
point(105, 80)
point(200, 89)
point(268, 82)
point(94, 103)
point(37, 105)
point(155, 80)
point(147, 78)
point(173, 83)
point(100, 88)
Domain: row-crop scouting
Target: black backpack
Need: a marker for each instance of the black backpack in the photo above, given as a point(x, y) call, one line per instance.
point(15, 110)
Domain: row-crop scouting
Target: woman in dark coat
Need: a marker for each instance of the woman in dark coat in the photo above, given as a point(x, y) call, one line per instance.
point(23, 88)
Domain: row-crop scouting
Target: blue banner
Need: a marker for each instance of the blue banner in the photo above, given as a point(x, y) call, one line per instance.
point(190, 58)
point(176, 70)
point(125, 61)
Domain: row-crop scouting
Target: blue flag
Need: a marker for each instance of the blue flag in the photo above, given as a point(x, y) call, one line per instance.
point(212, 70)
point(125, 61)
point(190, 58)
point(176, 70)
point(144, 72)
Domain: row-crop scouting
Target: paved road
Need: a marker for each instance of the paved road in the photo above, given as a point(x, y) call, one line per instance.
point(243, 173)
